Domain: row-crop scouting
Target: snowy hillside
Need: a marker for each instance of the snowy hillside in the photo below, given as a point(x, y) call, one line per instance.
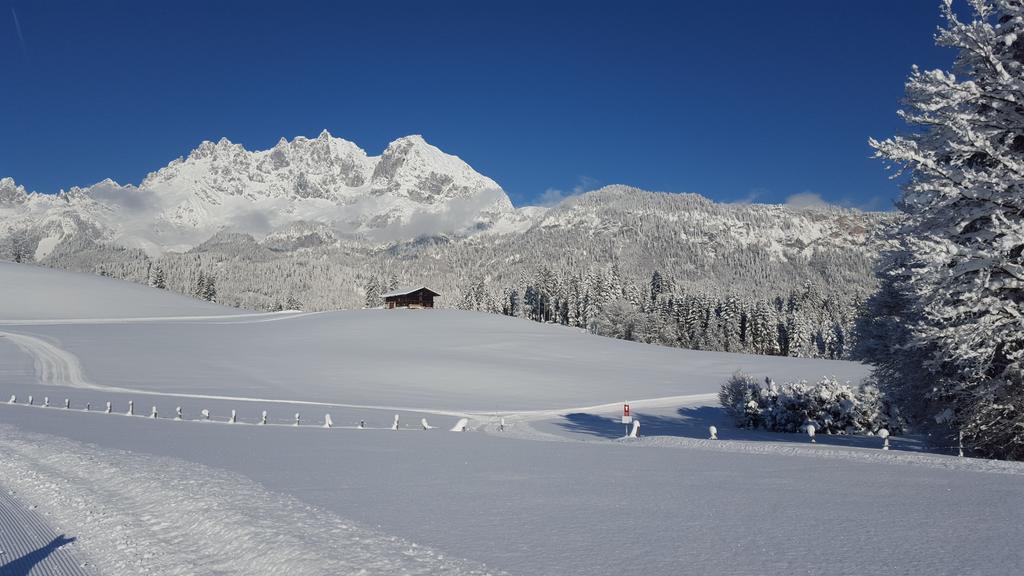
point(37, 293)
point(557, 491)
point(450, 359)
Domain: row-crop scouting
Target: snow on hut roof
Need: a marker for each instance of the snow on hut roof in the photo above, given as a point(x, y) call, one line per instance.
point(409, 290)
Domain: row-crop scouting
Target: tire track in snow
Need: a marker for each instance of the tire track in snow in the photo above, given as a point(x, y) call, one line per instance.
point(137, 514)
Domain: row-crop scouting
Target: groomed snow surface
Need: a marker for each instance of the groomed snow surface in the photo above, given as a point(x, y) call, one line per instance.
point(558, 491)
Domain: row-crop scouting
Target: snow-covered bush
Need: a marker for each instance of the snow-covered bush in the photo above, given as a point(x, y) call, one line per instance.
point(833, 407)
point(741, 396)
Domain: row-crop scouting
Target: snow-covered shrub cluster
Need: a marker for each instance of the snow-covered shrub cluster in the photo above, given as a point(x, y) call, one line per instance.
point(833, 407)
point(953, 283)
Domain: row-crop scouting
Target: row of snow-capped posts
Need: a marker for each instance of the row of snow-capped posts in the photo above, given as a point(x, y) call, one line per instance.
point(179, 415)
point(461, 426)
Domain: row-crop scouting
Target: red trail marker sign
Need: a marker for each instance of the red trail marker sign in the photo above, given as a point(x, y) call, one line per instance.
point(626, 418)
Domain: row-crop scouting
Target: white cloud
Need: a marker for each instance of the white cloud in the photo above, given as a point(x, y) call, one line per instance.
point(806, 200)
point(554, 196)
point(814, 200)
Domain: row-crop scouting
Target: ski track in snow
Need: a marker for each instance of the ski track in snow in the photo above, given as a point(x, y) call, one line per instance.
point(53, 365)
point(139, 514)
point(29, 545)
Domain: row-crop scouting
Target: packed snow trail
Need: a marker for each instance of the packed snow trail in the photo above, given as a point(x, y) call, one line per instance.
point(54, 366)
point(136, 514)
point(29, 545)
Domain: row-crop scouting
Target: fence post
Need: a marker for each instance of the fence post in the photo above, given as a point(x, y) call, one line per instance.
point(67, 403)
point(263, 418)
point(177, 413)
point(960, 442)
point(29, 399)
point(328, 423)
point(46, 401)
point(131, 407)
point(233, 418)
point(13, 400)
point(153, 415)
point(395, 425)
point(88, 406)
point(109, 407)
point(296, 418)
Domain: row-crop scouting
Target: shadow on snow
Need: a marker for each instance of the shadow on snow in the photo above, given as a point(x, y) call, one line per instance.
point(24, 565)
point(694, 422)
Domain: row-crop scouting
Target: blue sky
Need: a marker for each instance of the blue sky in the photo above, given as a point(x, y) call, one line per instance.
point(735, 100)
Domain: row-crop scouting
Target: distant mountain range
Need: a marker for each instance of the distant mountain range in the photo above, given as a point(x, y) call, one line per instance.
point(325, 183)
point(327, 190)
point(319, 224)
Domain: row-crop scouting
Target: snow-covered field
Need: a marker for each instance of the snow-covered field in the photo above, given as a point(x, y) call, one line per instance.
point(557, 492)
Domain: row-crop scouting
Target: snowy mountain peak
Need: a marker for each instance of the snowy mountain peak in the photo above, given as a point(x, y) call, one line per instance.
point(414, 169)
point(412, 189)
point(11, 192)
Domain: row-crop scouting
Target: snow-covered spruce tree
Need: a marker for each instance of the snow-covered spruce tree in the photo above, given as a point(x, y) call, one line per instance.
point(963, 236)
point(373, 292)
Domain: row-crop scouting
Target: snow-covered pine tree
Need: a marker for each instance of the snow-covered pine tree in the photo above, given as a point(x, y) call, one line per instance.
point(198, 290)
point(373, 292)
point(157, 278)
point(963, 236)
point(209, 289)
point(657, 285)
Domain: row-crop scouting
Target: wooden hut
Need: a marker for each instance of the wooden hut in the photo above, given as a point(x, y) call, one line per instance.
point(416, 297)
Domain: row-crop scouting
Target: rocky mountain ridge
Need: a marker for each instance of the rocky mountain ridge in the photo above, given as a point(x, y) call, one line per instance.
point(411, 189)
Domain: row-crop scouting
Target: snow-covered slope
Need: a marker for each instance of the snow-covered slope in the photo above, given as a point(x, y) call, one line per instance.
point(413, 188)
point(149, 495)
point(437, 359)
point(418, 359)
point(34, 293)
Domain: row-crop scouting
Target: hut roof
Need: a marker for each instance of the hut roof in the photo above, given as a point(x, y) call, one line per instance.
point(406, 291)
